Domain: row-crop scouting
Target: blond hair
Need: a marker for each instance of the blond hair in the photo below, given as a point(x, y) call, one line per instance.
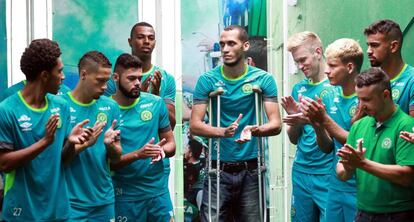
point(305, 38)
point(346, 50)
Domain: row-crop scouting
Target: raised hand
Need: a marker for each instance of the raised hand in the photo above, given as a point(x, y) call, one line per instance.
point(145, 84)
point(51, 126)
point(112, 136)
point(246, 134)
point(162, 154)
point(354, 158)
point(295, 119)
point(407, 136)
point(290, 105)
point(156, 82)
point(359, 113)
point(96, 132)
point(231, 130)
point(80, 135)
point(313, 110)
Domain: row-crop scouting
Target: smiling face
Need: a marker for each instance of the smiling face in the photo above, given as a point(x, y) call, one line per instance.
point(307, 61)
point(232, 48)
point(142, 41)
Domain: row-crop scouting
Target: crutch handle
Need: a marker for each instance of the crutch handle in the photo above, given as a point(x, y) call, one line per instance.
point(257, 89)
point(216, 92)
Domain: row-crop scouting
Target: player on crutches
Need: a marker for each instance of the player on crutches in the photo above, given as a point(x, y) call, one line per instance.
point(237, 169)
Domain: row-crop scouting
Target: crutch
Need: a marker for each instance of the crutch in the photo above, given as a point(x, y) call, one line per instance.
point(211, 171)
point(261, 161)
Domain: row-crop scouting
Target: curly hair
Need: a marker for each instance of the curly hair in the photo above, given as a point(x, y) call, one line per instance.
point(92, 60)
point(41, 55)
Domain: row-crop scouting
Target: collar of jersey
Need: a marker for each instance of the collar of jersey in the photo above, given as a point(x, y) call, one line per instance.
point(347, 97)
point(315, 84)
point(149, 71)
point(130, 106)
point(238, 78)
point(31, 108)
point(399, 74)
point(79, 103)
point(388, 121)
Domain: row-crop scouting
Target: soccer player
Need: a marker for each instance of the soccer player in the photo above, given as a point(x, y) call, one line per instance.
point(36, 139)
point(385, 40)
point(146, 137)
point(239, 186)
point(312, 167)
point(383, 162)
point(88, 175)
point(344, 59)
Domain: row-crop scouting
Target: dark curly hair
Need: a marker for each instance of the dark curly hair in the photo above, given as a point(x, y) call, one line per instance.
point(92, 60)
point(41, 55)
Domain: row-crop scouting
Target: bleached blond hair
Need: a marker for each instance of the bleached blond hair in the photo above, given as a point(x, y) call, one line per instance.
point(346, 50)
point(306, 38)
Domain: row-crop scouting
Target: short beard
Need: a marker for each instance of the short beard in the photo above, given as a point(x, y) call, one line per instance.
point(233, 64)
point(128, 94)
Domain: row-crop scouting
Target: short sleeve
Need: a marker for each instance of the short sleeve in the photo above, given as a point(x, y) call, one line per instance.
point(6, 129)
point(170, 90)
point(202, 90)
point(269, 88)
point(404, 154)
point(164, 124)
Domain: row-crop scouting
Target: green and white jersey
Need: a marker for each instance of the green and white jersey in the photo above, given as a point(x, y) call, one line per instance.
point(403, 89)
point(88, 175)
point(238, 97)
point(37, 190)
point(167, 88)
point(383, 145)
point(20, 85)
point(341, 109)
point(309, 158)
point(140, 122)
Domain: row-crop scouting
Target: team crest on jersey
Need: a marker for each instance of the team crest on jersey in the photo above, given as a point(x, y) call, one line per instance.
point(386, 143)
point(395, 94)
point(302, 89)
point(146, 115)
point(352, 110)
point(247, 88)
point(323, 93)
point(102, 117)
